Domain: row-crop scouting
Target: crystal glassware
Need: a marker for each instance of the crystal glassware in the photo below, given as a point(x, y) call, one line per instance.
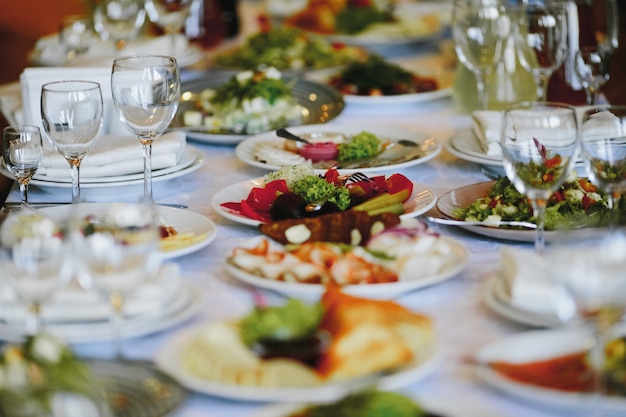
point(71, 113)
point(539, 147)
point(542, 40)
point(146, 90)
point(34, 261)
point(170, 16)
point(119, 20)
point(22, 150)
point(603, 148)
point(479, 30)
point(592, 69)
point(118, 249)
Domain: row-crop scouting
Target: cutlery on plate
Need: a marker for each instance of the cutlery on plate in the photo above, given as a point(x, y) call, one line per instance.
point(13, 205)
point(284, 133)
point(453, 222)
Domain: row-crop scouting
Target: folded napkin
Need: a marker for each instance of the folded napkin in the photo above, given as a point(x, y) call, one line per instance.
point(48, 51)
point(487, 127)
point(602, 125)
point(75, 304)
point(528, 277)
point(116, 155)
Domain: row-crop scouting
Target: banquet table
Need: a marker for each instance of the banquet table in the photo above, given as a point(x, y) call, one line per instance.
point(463, 323)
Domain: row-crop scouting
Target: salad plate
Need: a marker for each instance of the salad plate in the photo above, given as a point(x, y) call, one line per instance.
point(168, 359)
point(541, 345)
point(195, 231)
point(320, 104)
point(426, 149)
point(426, 65)
point(388, 290)
point(421, 200)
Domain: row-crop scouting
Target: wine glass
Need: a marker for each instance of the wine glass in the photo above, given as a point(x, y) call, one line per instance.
point(22, 150)
point(34, 261)
point(117, 250)
point(146, 89)
point(119, 20)
point(479, 29)
point(542, 40)
point(169, 15)
point(592, 69)
point(592, 273)
point(603, 146)
point(539, 147)
point(71, 113)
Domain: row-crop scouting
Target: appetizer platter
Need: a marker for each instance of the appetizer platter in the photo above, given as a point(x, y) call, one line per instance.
point(229, 106)
point(252, 358)
point(517, 364)
point(390, 148)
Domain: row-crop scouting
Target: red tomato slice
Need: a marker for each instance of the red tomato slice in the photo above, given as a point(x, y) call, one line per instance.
point(398, 182)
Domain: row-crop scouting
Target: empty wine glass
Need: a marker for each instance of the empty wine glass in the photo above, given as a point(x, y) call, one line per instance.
point(169, 15)
point(593, 274)
point(33, 260)
point(479, 29)
point(603, 145)
point(118, 20)
point(542, 40)
point(118, 249)
point(539, 147)
point(146, 89)
point(71, 113)
point(592, 69)
point(22, 150)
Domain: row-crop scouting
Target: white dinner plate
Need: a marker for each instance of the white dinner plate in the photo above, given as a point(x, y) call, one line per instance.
point(168, 359)
point(192, 160)
point(430, 148)
point(540, 345)
point(388, 290)
point(429, 65)
point(182, 307)
point(422, 199)
point(183, 220)
point(466, 195)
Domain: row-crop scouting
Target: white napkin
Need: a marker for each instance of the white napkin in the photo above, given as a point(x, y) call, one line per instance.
point(487, 127)
point(528, 275)
point(48, 51)
point(603, 125)
point(116, 155)
point(75, 304)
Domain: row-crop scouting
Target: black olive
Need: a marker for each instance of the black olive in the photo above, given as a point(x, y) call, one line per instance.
point(287, 206)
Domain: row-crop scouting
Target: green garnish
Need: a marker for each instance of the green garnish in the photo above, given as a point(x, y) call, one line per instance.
point(315, 189)
point(351, 20)
point(248, 86)
point(375, 74)
point(362, 145)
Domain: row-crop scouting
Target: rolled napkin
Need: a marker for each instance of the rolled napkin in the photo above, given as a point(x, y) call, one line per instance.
point(75, 304)
point(487, 127)
point(527, 276)
point(115, 155)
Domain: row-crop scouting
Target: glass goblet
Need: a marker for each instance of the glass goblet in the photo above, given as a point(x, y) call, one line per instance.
point(22, 150)
point(146, 90)
point(592, 69)
point(539, 147)
point(542, 40)
point(170, 16)
point(118, 20)
point(479, 29)
point(34, 261)
point(118, 249)
point(71, 113)
point(603, 147)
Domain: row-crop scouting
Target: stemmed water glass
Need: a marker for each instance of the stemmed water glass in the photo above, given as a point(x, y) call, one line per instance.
point(603, 146)
point(33, 260)
point(542, 40)
point(479, 29)
point(592, 69)
point(22, 150)
point(71, 113)
point(539, 147)
point(119, 20)
point(146, 89)
point(117, 250)
point(169, 15)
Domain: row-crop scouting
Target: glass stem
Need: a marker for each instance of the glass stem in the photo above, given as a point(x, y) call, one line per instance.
point(481, 88)
point(539, 212)
point(75, 165)
point(613, 199)
point(591, 95)
point(33, 321)
point(23, 192)
point(116, 299)
point(542, 87)
point(147, 170)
